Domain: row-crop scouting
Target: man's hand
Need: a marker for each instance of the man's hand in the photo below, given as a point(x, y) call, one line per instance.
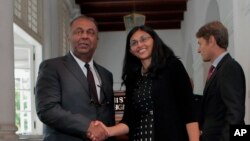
point(97, 131)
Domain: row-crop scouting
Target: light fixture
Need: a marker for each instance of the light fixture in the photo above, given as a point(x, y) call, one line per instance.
point(132, 20)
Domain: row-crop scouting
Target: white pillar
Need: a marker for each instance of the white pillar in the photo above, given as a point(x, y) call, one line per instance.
point(51, 46)
point(241, 43)
point(7, 85)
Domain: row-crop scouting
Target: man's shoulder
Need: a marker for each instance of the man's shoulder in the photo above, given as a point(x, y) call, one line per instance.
point(52, 62)
point(102, 68)
point(232, 63)
point(55, 59)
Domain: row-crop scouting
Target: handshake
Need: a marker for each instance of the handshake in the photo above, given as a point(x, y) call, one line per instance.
point(97, 131)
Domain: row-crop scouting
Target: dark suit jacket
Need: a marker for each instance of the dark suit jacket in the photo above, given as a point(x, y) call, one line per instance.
point(223, 102)
point(172, 97)
point(63, 99)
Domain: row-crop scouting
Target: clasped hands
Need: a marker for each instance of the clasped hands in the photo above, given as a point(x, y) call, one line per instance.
point(97, 131)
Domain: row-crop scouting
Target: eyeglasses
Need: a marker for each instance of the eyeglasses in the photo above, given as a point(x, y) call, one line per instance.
point(143, 39)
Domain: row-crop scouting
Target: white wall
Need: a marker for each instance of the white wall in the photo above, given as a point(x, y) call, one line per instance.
point(193, 19)
point(173, 38)
point(110, 52)
point(242, 43)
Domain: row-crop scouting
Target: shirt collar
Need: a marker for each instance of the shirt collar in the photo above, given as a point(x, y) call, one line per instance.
point(218, 59)
point(81, 63)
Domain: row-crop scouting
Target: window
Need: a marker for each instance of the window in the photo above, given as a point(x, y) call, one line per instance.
point(23, 88)
point(27, 53)
point(17, 8)
point(32, 15)
point(28, 15)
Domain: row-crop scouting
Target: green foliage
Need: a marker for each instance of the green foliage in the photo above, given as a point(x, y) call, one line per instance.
point(17, 106)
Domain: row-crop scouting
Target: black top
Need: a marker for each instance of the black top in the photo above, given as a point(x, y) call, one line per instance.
point(172, 98)
point(142, 101)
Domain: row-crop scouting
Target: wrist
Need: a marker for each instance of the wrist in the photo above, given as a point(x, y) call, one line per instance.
point(109, 132)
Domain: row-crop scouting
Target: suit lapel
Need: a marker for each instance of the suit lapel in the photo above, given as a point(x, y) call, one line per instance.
point(210, 81)
point(218, 67)
point(101, 77)
point(74, 68)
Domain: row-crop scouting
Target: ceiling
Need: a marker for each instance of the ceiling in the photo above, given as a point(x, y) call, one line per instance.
point(160, 14)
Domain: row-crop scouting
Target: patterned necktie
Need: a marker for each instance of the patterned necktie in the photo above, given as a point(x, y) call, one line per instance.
point(91, 83)
point(210, 72)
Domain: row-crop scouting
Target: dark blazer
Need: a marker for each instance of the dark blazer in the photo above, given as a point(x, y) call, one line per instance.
point(223, 102)
point(172, 98)
point(63, 99)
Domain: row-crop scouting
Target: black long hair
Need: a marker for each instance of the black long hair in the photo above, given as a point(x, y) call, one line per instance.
point(160, 54)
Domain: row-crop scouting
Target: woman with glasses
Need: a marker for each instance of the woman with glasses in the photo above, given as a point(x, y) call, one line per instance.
point(158, 104)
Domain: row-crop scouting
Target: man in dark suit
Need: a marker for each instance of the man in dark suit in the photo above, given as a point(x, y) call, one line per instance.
point(64, 99)
point(223, 102)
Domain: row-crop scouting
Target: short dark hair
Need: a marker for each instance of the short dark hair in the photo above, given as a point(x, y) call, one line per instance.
point(84, 17)
point(216, 29)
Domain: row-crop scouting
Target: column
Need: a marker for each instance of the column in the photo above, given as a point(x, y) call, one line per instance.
point(241, 44)
point(7, 85)
point(51, 28)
